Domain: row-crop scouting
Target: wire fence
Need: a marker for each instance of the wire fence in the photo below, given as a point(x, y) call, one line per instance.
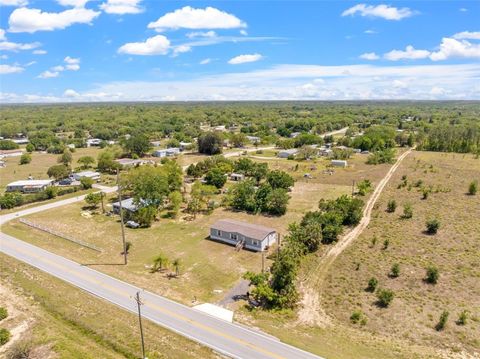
point(60, 235)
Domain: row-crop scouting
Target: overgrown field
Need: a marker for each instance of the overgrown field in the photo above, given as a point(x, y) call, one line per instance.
point(414, 313)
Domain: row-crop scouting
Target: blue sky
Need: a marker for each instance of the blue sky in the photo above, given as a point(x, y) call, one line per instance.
point(115, 50)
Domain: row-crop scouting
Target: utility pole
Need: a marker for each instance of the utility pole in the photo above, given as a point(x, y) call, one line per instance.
point(139, 304)
point(119, 189)
point(102, 196)
point(353, 188)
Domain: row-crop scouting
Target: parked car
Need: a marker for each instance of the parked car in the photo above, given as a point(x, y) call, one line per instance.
point(65, 182)
point(132, 224)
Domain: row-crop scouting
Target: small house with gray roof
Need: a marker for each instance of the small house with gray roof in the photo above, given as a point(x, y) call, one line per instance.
point(242, 234)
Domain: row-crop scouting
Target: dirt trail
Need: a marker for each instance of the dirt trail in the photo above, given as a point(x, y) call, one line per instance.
point(311, 312)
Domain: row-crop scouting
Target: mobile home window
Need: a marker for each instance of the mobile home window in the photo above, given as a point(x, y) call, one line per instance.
point(219, 233)
point(233, 236)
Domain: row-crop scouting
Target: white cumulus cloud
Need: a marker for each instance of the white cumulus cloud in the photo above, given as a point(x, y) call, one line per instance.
point(384, 11)
point(241, 59)
point(452, 48)
point(71, 93)
point(48, 74)
point(156, 45)
point(369, 56)
point(32, 20)
point(39, 52)
point(2, 34)
point(191, 18)
point(192, 35)
point(410, 53)
point(15, 47)
point(121, 7)
point(10, 69)
point(205, 61)
point(467, 35)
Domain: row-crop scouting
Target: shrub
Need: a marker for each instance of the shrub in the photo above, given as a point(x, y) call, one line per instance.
point(86, 182)
point(462, 318)
point(391, 206)
point(51, 192)
point(407, 211)
point(385, 297)
point(25, 159)
point(21, 350)
point(4, 336)
point(10, 200)
point(372, 284)
point(395, 270)
point(386, 243)
point(432, 226)
point(3, 313)
point(364, 187)
point(432, 275)
point(442, 321)
point(473, 188)
point(356, 316)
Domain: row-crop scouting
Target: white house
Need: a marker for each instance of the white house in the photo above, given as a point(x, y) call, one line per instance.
point(29, 186)
point(94, 142)
point(185, 145)
point(129, 162)
point(247, 235)
point(10, 153)
point(168, 152)
point(287, 153)
point(95, 176)
point(253, 139)
point(339, 163)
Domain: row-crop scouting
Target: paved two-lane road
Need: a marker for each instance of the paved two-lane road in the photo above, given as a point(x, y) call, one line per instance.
point(230, 339)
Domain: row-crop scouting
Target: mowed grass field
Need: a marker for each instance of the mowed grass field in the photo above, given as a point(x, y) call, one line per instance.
point(454, 250)
point(209, 269)
point(61, 321)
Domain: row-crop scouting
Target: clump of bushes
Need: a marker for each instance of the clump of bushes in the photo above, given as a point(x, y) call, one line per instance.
point(473, 188)
point(442, 321)
point(462, 318)
point(385, 297)
point(372, 284)
point(432, 275)
point(395, 270)
point(407, 211)
point(391, 206)
point(4, 336)
point(3, 313)
point(432, 226)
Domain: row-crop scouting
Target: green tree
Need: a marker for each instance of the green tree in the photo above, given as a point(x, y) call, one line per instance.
point(238, 139)
point(86, 161)
point(86, 182)
point(210, 143)
point(280, 179)
point(106, 162)
point(242, 196)
point(277, 201)
point(215, 177)
point(150, 185)
point(8, 145)
point(145, 216)
point(364, 187)
point(30, 148)
point(175, 199)
point(25, 159)
point(58, 172)
point(137, 145)
point(11, 200)
point(93, 199)
point(65, 158)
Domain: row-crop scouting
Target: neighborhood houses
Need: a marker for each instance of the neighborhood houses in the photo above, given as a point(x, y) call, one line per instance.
point(29, 186)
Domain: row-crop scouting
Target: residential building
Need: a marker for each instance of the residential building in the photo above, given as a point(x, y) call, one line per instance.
point(89, 174)
point(246, 235)
point(93, 142)
point(168, 152)
point(10, 153)
point(185, 146)
point(129, 162)
point(237, 177)
point(29, 186)
point(339, 163)
point(287, 153)
point(127, 205)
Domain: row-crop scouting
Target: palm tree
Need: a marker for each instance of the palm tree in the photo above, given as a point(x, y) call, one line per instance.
point(176, 263)
point(160, 262)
